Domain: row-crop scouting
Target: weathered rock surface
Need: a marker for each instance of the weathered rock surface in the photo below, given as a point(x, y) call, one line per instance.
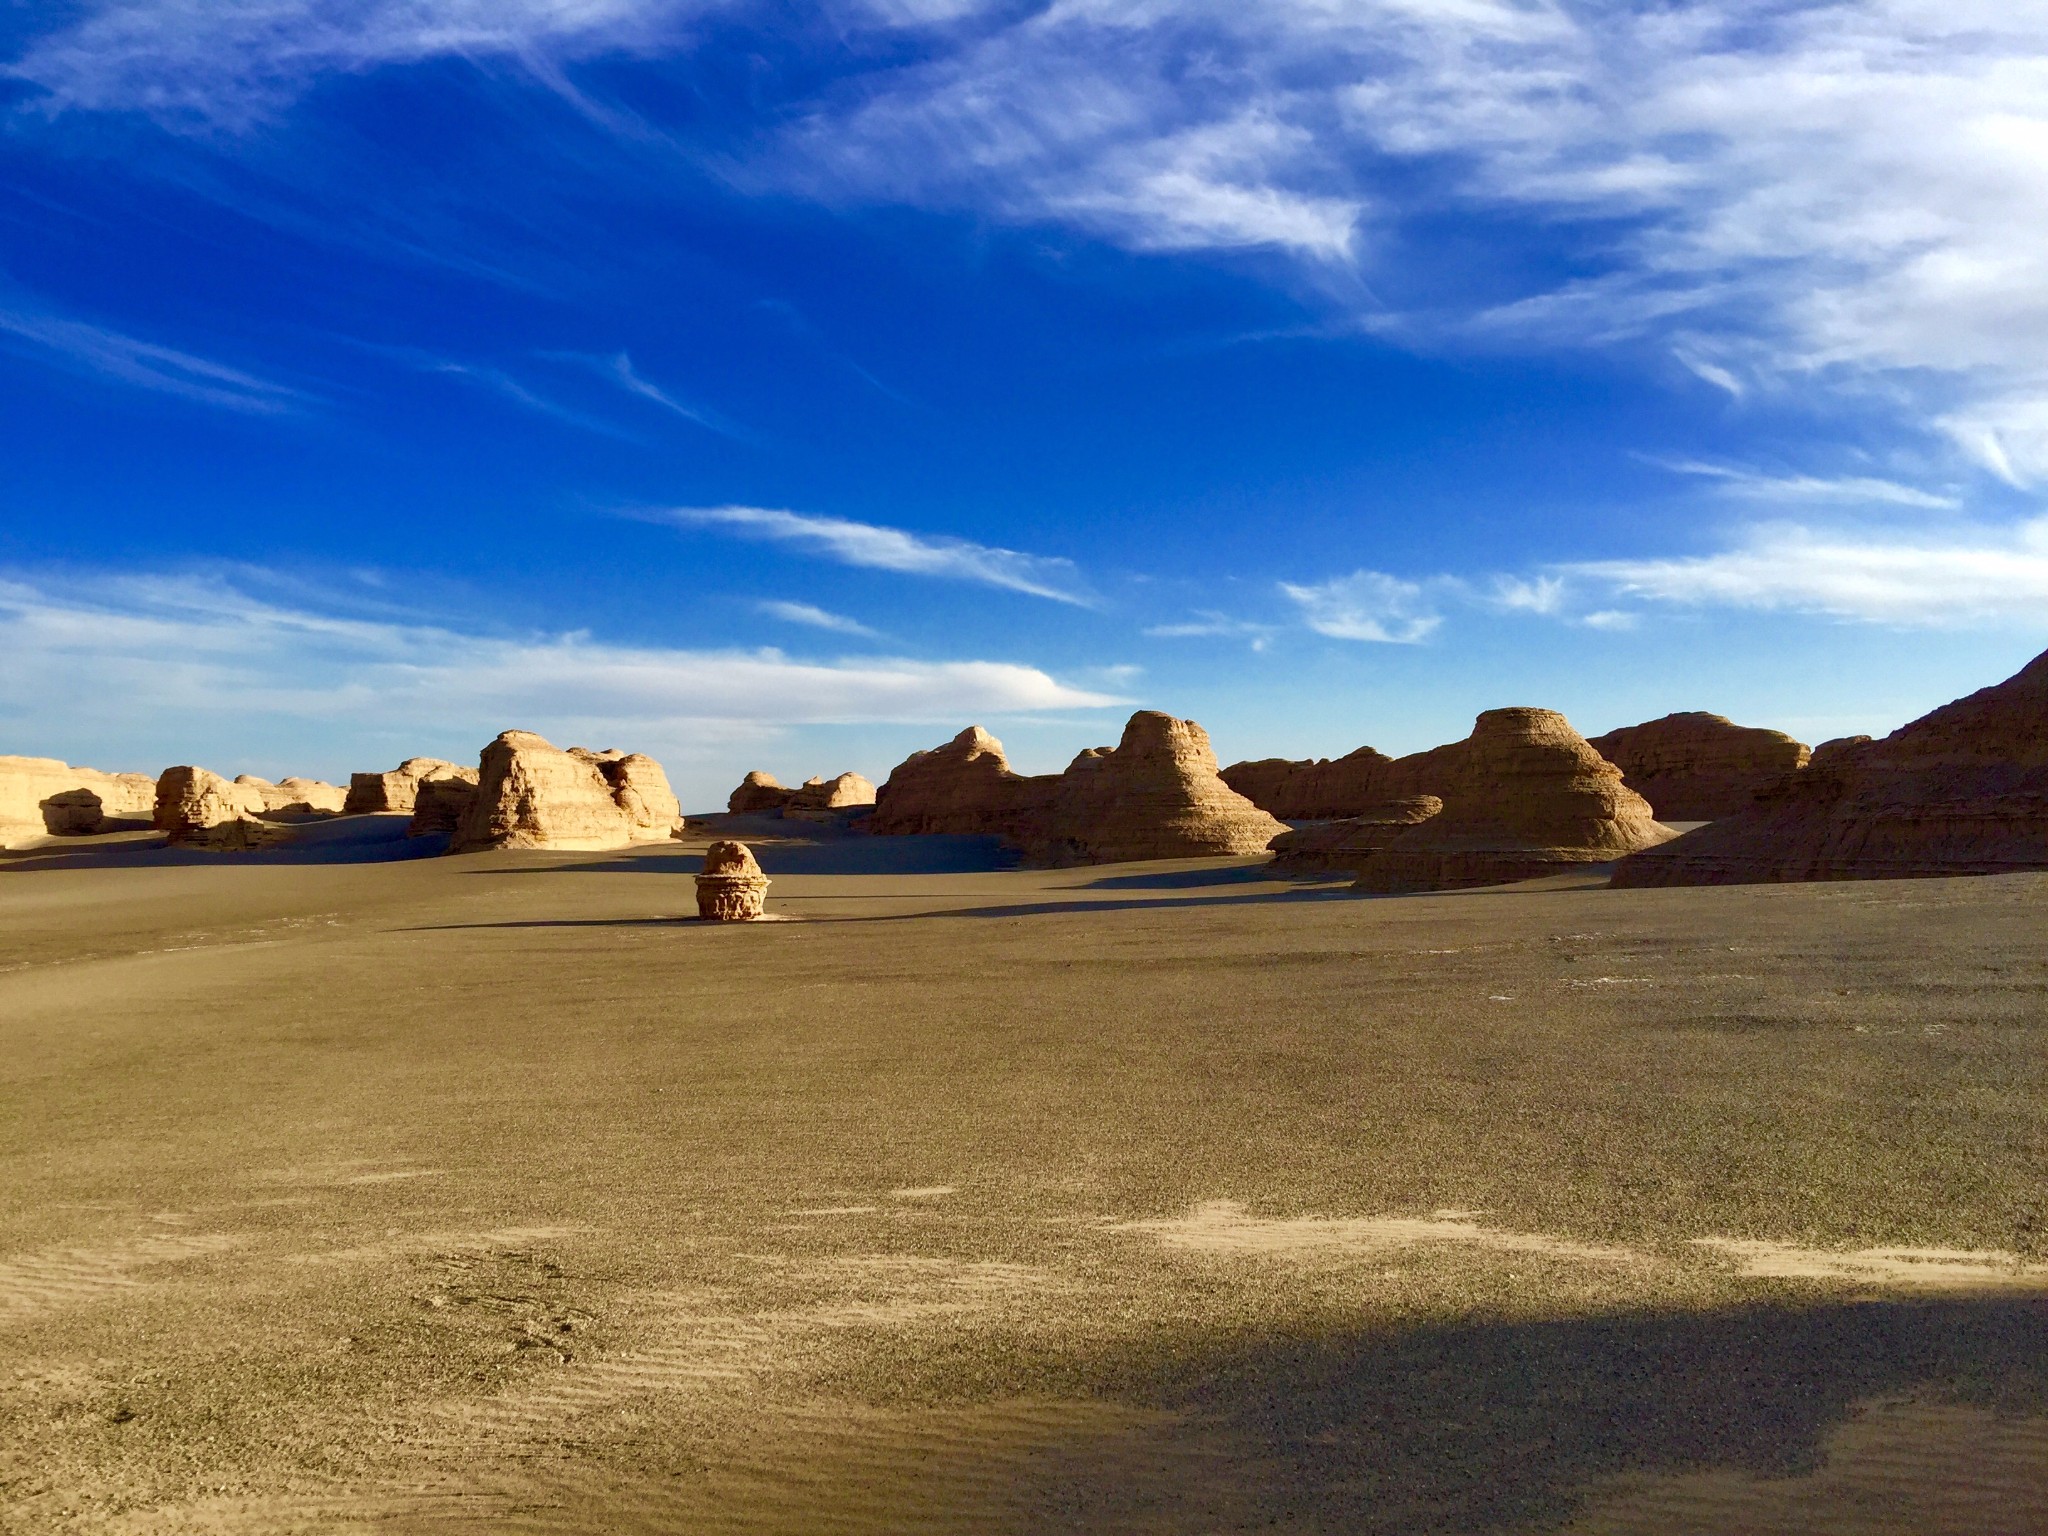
point(1527, 796)
point(441, 801)
point(965, 786)
point(42, 797)
point(1696, 766)
point(732, 888)
point(829, 799)
point(1313, 789)
point(294, 796)
point(532, 794)
point(199, 808)
point(1960, 791)
point(397, 790)
point(1347, 844)
point(758, 792)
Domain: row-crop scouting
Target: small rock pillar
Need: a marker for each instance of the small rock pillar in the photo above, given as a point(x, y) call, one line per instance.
point(732, 888)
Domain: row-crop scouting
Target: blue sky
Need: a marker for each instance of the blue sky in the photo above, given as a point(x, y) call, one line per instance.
point(788, 387)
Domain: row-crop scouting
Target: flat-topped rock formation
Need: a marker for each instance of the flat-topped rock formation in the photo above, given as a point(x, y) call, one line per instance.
point(1696, 766)
point(398, 790)
point(197, 808)
point(1527, 796)
point(1315, 789)
point(441, 801)
point(732, 888)
point(532, 794)
point(1346, 845)
point(43, 797)
point(816, 799)
point(1960, 791)
point(964, 787)
point(294, 796)
point(1157, 794)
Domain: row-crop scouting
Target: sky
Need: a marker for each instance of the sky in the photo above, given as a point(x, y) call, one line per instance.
point(790, 386)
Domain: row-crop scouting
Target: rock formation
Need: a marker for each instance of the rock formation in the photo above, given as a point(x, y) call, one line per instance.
point(966, 786)
point(1316, 789)
point(732, 888)
point(828, 799)
point(1347, 844)
point(200, 809)
point(531, 794)
point(397, 790)
point(758, 792)
point(1697, 767)
point(1960, 791)
point(1526, 796)
point(294, 796)
point(441, 801)
point(42, 797)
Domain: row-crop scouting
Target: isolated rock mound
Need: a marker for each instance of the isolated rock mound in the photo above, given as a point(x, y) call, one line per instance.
point(1529, 797)
point(732, 888)
point(398, 790)
point(1156, 795)
point(1960, 791)
point(200, 809)
point(964, 787)
point(1315, 789)
point(295, 797)
point(829, 799)
point(1346, 845)
point(43, 797)
point(532, 794)
point(758, 792)
point(1696, 766)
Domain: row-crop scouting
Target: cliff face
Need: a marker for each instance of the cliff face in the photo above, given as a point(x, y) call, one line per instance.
point(532, 794)
point(1963, 790)
point(1699, 767)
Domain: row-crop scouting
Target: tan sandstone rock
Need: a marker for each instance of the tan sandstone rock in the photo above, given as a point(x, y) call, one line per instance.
point(829, 799)
point(1960, 791)
point(294, 796)
point(43, 797)
point(965, 786)
point(370, 793)
point(1347, 844)
point(441, 800)
point(1696, 766)
point(1314, 789)
point(532, 794)
point(758, 792)
point(1528, 796)
point(200, 809)
point(732, 888)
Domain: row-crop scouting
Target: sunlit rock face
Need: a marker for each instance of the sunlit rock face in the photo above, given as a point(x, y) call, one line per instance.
point(1696, 766)
point(532, 794)
point(1960, 791)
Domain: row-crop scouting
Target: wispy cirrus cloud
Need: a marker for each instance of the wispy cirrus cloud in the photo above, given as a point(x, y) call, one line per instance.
point(100, 352)
point(813, 617)
point(1211, 625)
point(1367, 605)
point(498, 382)
point(1848, 490)
point(617, 368)
point(880, 548)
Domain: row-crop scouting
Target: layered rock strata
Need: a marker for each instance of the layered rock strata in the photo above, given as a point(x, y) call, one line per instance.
point(1317, 789)
point(732, 888)
point(829, 799)
point(398, 790)
point(532, 794)
point(1527, 796)
point(42, 797)
point(965, 787)
point(1346, 845)
point(441, 801)
point(1960, 791)
point(1696, 766)
point(294, 796)
point(758, 792)
point(198, 808)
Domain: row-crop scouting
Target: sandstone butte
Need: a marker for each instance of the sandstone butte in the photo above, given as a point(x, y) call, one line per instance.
point(1347, 844)
point(1960, 791)
point(1696, 766)
point(1156, 795)
point(294, 796)
point(532, 794)
point(441, 800)
point(815, 798)
point(1524, 795)
point(198, 808)
point(398, 790)
point(42, 797)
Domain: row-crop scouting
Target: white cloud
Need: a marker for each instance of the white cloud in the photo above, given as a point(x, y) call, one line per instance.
point(1968, 578)
point(96, 351)
point(1367, 605)
point(1852, 490)
point(813, 616)
point(894, 549)
point(503, 385)
point(170, 666)
point(618, 369)
point(1209, 625)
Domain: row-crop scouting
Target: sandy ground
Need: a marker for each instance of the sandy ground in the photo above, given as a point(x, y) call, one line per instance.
point(481, 1195)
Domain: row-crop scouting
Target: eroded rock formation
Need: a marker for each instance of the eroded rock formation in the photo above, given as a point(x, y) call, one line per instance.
point(293, 796)
point(42, 797)
point(829, 799)
point(1526, 796)
point(441, 801)
point(732, 888)
point(965, 786)
point(397, 790)
point(1696, 766)
point(532, 794)
point(1314, 789)
point(758, 792)
point(1347, 844)
point(198, 808)
point(1960, 791)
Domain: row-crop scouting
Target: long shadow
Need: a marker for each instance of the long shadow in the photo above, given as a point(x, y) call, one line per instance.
point(1187, 879)
point(936, 854)
point(1489, 1426)
point(341, 840)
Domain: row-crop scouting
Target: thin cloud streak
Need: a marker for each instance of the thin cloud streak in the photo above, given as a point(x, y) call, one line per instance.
point(875, 547)
point(100, 352)
point(1367, 605)
point(814, 617)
